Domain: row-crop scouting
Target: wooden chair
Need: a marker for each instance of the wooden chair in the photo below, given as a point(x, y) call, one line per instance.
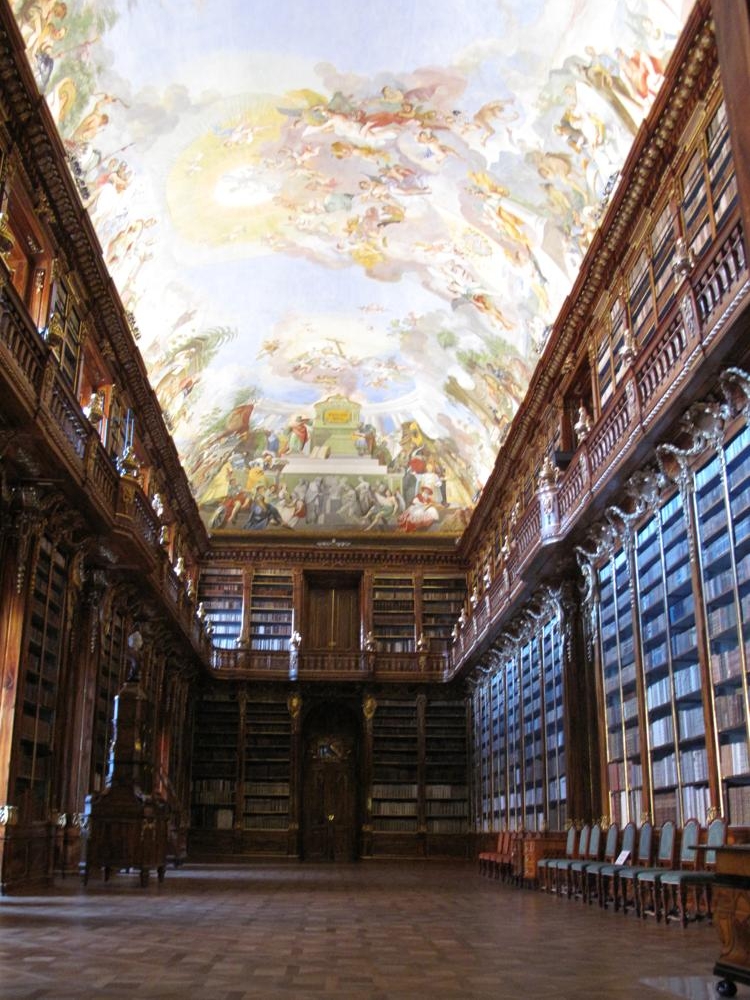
point(560, 869)
point(649, 882)
point(488, 860)
point(675, 885)
point(578, 867)
point(506, 862)
point(628, 875)
point(608, 874)
point(543, 865)
point(592, 868)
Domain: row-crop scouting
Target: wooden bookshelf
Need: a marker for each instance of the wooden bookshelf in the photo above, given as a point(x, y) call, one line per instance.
point(215, 762)
point(271, 611)
point(722, 503)
point(393, 613)
point(442, 600)
point(268, 737)
point(221, 592)
point(395, 787)
point(44, 629)
point(446, 791)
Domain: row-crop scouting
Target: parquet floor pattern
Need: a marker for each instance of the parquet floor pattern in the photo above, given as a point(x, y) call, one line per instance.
point(368, 931)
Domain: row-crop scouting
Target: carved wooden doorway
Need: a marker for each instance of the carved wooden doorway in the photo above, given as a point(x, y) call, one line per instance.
point(330, 787)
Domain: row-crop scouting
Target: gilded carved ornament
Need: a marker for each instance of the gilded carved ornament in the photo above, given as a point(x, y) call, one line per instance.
point(369, 706)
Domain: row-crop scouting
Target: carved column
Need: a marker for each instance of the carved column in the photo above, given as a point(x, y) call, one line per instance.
point(294, 704)
point(239, 787)
point(422, 769)
point(369, 706)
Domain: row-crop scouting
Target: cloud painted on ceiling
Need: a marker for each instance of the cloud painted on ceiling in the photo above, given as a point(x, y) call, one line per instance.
point(344, 232)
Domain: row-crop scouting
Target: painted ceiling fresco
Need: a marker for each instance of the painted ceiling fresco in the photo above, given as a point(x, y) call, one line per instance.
point(343, 231)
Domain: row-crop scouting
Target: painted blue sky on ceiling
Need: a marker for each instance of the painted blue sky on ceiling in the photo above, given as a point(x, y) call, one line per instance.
point(344, 230)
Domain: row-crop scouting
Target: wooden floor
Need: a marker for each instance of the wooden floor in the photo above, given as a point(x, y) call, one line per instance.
point(367, 931)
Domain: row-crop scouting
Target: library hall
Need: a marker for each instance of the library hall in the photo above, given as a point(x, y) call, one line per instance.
point(398, 654)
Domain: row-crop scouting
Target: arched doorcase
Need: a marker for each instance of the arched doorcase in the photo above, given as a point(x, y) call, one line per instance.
point(330, 784)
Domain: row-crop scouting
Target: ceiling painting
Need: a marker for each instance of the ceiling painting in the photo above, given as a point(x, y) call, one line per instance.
point(343, 233)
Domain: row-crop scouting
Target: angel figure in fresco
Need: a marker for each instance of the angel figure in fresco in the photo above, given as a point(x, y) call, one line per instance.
point(421, 512)
point(495, 113)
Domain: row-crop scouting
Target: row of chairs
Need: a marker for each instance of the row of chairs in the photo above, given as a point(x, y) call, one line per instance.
point(660, 882)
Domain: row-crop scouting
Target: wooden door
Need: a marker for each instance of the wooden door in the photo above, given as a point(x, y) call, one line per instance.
point(329, 807)
point(332, 612)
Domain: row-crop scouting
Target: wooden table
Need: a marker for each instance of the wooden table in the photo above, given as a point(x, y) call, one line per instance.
point(731, 908)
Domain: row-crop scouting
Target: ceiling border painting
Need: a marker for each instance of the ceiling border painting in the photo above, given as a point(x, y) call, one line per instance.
point(342, 234)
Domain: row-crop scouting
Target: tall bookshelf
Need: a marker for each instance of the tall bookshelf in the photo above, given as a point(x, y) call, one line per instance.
point(268, 735)
point(40, 683)
point(395, 767)
point(442, 600)
point(554, 725)
point(446, 791)
point(623, 743)
point(722, 501)
point(271, 610)
point(514, 716)
point(498, 748)
point(220, 590)
point(215, 761)
point(393, 613)
point(672, 683)
point(533, 739)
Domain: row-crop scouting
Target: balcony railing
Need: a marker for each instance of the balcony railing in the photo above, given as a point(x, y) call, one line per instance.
point(330, 665)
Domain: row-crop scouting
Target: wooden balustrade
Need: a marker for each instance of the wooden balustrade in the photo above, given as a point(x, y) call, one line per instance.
point(661, 363)
point(145, 520)
point(574, 489)
point(725, 272)
point(529, 530)
point(608, 434)
point(68, 417)
point(25, 348)
point(103, 476)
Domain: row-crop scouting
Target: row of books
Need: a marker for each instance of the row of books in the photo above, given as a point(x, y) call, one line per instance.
point(260, 806)
point(734, 758)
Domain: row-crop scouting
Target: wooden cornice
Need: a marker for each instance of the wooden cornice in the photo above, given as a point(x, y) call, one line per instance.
point(30, 126)
point(334, 553)
point(691, 66)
